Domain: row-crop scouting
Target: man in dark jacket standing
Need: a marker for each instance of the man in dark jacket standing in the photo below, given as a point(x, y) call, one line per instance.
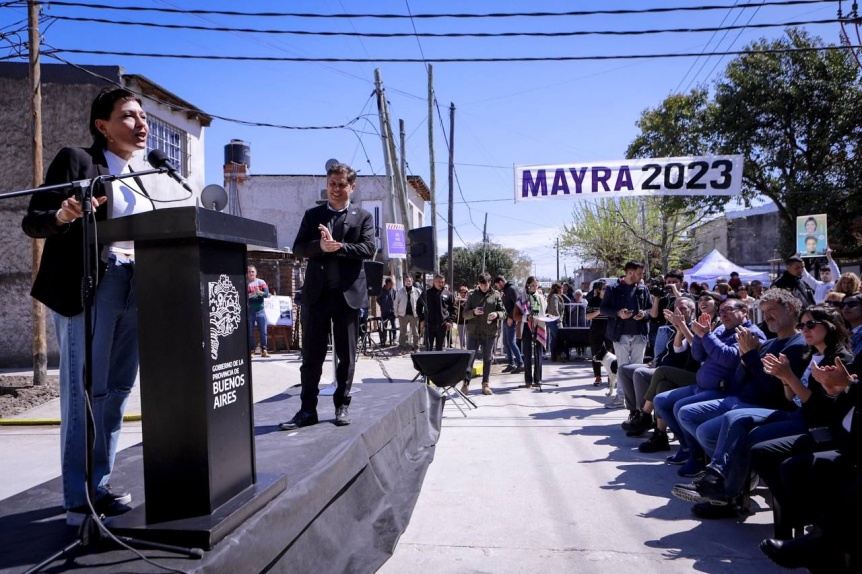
point(792, 281)
point(509, 294)
point(628, 303)
point(483, 310)
point(335, 237)
point(436, 311)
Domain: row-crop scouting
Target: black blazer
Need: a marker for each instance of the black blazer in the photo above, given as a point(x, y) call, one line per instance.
point(58, 283)
point(358, 245)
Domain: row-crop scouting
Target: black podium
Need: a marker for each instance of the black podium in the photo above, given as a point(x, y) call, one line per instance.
point(196, 388)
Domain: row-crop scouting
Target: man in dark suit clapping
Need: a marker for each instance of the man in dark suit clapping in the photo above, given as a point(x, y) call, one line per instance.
point(335, 238)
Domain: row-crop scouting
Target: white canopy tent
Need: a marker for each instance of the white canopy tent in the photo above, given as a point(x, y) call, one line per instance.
point(716, 265)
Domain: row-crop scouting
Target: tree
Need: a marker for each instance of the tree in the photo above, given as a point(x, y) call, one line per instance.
point(467, 263)
point(794, 115)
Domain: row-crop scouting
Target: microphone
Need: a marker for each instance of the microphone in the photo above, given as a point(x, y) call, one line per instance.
point(160, 160)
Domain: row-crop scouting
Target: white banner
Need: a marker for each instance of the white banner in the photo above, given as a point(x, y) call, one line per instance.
point(278, 310)
point(708, 175)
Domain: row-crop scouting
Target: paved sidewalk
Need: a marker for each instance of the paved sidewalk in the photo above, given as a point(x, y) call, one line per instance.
point(528, 482)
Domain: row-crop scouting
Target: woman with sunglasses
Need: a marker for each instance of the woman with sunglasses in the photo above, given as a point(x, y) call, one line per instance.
point(823, 329)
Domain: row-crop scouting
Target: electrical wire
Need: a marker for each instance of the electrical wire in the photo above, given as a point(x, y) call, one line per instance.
point(708, 42)
point(719, 60)
point(452, 60)
point(416, 34)
point(657, 10)
point(223, 118)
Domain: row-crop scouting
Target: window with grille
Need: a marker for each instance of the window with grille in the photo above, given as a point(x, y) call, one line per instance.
point(171, 140)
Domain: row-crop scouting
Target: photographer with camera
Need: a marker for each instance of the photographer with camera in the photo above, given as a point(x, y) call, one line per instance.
point(664, 293)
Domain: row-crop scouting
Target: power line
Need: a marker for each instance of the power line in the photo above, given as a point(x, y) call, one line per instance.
point(452, 60)
point(355, 34)
point(708, 42)
point(719, 60)
point(177, 107)
point(657, 10)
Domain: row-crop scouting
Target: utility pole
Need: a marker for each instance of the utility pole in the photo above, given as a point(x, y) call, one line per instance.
point(40, 344)
point(395, 267)
point(451, 188)
point(431, 160)
point(558, 258)
point(484, 241)
point(400, 185)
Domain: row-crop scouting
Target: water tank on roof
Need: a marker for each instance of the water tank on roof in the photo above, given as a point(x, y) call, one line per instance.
point(237, 151)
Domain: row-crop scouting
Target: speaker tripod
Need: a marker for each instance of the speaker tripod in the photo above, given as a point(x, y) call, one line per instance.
point(367, 345)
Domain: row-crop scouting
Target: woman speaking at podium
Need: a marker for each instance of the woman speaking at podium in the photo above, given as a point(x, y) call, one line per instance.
point(119, 128)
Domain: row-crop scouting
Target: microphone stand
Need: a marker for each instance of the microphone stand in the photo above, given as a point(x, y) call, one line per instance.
point(92, 528)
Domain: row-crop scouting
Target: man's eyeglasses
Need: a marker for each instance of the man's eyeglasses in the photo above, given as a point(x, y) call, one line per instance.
point(808, 325)
point(730, 308)
point(850, 304)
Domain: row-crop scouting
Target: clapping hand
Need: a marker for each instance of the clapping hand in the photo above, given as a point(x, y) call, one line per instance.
point(746, 340)
point(675, 318)
point(702, 325)
point(834, 379)
point(778, 367)
point(327, 244)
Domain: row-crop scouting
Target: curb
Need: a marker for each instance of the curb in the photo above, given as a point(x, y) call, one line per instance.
point(53, 422)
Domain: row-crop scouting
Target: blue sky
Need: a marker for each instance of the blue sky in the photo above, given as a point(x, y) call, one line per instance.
point(506, 113)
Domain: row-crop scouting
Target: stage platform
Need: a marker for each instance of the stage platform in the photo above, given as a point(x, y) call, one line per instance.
point(350, 493)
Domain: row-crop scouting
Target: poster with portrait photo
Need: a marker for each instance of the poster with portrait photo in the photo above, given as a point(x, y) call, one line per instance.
point(811, 240)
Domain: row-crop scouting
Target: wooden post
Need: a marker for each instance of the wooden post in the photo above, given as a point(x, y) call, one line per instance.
point(40, 345)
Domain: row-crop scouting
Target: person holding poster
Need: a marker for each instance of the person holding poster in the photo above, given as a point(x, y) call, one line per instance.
point(811, 235)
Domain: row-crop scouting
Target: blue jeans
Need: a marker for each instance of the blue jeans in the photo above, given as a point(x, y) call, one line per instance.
point(728, 439)
point(692, 416)
point(114, 367)
point(513, 352)
point(668, 404)
point(552, 337)
point(258, 317)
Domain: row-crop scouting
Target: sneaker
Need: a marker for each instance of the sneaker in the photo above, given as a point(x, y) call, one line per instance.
point(710, 512)
point(639, 426)
point(106, 508)
point(508, 369)
point(517, 370)
point(680, 457)
point(615, 403)
point(692, 466)
point(299, 420)
point(263, 353)
point(656, 443)
point(341, 418)
point(119, 497)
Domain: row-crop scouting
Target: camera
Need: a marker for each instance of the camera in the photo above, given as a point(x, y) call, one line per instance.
point(656, 288)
